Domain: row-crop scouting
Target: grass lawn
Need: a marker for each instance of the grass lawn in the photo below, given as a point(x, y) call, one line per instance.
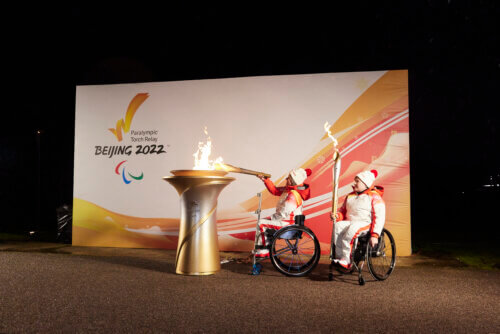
point(42, 236)
point(13, 237)
point(484, 255)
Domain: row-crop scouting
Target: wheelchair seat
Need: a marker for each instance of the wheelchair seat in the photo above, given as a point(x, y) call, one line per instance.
point(299, 221)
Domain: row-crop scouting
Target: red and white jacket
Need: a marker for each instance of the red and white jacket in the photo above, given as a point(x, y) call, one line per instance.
point(367, 206)
point(291, 200)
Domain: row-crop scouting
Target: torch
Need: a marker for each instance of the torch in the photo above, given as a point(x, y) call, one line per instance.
point(335, 185)
point(234, 169)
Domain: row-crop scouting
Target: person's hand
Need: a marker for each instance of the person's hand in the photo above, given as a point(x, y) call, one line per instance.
point(336, 216)
point(373, 241)
point(262, 177)
point(336, 150)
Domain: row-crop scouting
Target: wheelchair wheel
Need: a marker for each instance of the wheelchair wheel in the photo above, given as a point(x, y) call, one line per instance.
point(295, 250)
point(381, 259)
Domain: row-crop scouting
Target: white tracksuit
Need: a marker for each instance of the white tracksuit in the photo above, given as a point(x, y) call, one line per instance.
point(289, 205)
point(363, 213)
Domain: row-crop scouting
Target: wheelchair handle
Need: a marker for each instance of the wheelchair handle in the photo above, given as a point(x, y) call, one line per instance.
point(300, 219)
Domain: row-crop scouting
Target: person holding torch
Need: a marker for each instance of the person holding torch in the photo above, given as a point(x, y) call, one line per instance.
point(363, 211)
point(290, 204)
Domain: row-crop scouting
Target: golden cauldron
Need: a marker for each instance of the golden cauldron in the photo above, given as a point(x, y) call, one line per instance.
point(198, 246)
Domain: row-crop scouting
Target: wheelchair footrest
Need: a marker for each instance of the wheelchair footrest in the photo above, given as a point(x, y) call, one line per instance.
point(256, 269)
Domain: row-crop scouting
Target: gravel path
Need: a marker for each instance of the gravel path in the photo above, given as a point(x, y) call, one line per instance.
point(139, 292)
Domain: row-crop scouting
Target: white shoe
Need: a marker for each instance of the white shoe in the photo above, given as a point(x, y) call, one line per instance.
point(262, 253)
point(345, 264)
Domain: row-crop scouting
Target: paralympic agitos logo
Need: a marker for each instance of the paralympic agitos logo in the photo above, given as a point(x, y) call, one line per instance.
point(123, 172)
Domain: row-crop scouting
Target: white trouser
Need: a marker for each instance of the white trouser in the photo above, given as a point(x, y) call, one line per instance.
point(345, 234)
point(264, 224)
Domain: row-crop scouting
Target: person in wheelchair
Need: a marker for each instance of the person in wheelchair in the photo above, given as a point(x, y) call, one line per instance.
point(290, 204)
point(362, 212)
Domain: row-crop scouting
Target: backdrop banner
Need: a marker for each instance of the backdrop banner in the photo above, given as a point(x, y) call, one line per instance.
point(129, 136)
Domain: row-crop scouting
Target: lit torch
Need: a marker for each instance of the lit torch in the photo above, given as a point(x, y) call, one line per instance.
point(201, 157)
point(335, 183)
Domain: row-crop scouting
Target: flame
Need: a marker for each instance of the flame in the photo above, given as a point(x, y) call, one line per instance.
point(202, 156)
point(219, 165)
point(327, 129)
point(336, 153)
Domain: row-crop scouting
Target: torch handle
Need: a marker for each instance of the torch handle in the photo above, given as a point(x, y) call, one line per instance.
point(234, 169)
point(258, 211)
point(335, 186)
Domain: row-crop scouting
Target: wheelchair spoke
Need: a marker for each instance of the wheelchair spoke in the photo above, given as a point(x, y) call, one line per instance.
point(291, 264)
point(306, 248)
point(307, 257)
point(307, 241)
point(295, 262)
point(303, 254)
point(290, 245)
point(300, 263)
point(299, 258)
point(282, 250)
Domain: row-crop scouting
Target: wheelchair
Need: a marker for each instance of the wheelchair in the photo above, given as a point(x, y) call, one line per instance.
point(380, 259)
point(294, 250)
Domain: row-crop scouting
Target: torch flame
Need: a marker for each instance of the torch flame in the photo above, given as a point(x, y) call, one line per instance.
point(327, 129)
point(202, 156)
point(336, 153)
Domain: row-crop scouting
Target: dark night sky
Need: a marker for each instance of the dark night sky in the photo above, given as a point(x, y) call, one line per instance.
point(451, 49)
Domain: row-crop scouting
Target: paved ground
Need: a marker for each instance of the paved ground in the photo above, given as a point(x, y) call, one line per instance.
point(57, 288)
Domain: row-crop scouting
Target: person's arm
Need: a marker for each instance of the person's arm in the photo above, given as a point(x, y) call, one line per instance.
point(272, 188)
point(378, 218)
point(341, 213)
point(343, 210)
